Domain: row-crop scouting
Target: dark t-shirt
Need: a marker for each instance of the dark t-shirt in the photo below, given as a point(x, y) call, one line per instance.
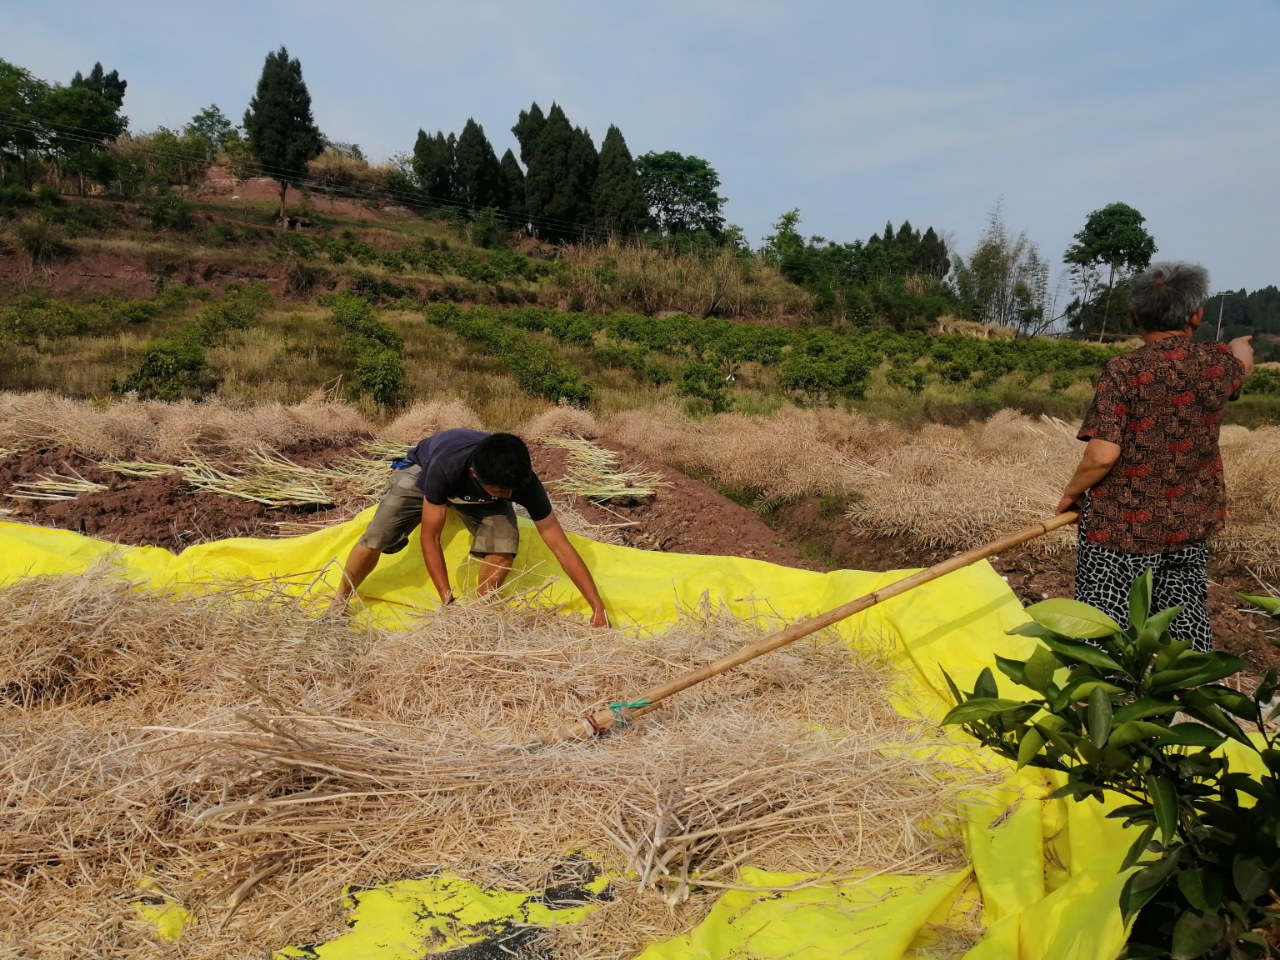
point(445, 459)
point(1162, 405)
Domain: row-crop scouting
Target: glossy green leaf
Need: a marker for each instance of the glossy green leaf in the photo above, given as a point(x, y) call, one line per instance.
point(1040, 670)
point(1031, 629)
point(1138, 847)
point(1015, 670)
point(1146, 883)
point(1190, 734)
point(1250, 876)
point(1083, 653)
point(1164, 800)
point(956, 695)
point(1206, 668)
point(1202, 888)
point(1099, 716)
point(1156, 626)
point(1233, 701)
point(1270, 604)
point(985, 685)
point(1195, 934)
point(1140, 599)
point(1029, 747)
point(1146, 707)
point(1082, 690)
point(1123, 734)
point(1072, 618)
point(978, 709)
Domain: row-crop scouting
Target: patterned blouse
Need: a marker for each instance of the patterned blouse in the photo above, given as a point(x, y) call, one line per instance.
point(1162, 405)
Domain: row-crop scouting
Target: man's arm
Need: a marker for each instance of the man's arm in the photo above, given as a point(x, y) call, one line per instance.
point(433, 517)
point(572, 563)
point(1096, 462)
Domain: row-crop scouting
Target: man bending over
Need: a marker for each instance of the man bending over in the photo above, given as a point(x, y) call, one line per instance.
point(478, 475)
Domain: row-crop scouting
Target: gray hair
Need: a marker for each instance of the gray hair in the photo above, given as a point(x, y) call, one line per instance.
point(1165, 295)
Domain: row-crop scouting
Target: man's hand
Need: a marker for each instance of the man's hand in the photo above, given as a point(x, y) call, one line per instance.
point(599, 618)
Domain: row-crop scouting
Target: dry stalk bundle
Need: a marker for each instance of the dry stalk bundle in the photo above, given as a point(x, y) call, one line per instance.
point(313, 755)
point(140, 469)
point(56, 486)
point(593, 473)
point(267, 479)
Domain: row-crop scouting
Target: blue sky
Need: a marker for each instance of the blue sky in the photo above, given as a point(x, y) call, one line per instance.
point(853, 112)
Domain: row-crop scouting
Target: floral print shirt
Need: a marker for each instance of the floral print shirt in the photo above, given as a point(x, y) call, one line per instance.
point(1163, 406)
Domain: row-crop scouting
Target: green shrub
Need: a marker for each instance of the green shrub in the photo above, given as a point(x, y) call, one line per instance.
point(704, 381)
point(380, 374)
point(1136, 714)
point(1061, 382)
point(169, 370)
point(911, 379)
point(1263, 380)
point(170, 212)
point(41, 241)
point(14, 199)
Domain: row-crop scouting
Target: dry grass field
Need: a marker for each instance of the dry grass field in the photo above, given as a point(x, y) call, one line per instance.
point(250, 759)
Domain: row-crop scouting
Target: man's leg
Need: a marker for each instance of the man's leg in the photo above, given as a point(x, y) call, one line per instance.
point(495, 540)
point(399, 513)
point(360, 563)
point(494, 568)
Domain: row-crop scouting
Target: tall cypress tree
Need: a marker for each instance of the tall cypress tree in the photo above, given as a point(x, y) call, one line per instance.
point(108, 86)
point(511, 187)
point(477, 174)
point(618, 199)
point(282, 135)
point(526, 131)
point(434, 165)
point(561, 173)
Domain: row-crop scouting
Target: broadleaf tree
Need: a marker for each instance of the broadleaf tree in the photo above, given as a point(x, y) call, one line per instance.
point(682, 192)
point(282, 134)
point(1113, 238)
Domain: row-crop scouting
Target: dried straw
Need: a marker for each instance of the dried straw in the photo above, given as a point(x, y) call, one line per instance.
point(254, 759)
point(55, 486)
point(130, 428)
point(592, 472)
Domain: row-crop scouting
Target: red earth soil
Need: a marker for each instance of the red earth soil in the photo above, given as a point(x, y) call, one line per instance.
point(686, 517)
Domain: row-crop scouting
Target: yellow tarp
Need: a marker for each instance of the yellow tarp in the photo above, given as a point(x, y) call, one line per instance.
point(1044, 871)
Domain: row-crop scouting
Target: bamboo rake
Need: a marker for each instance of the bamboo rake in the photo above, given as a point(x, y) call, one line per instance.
point(605, 719)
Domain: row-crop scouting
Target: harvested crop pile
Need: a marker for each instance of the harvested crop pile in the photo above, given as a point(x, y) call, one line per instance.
point(252, 760)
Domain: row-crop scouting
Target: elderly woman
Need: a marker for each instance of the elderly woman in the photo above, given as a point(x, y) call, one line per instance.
point(1149, 485)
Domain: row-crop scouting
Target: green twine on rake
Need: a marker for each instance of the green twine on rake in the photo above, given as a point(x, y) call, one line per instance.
point(618, 707)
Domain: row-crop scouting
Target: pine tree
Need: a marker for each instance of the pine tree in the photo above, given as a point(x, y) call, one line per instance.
point(282, 135)
point(477, 174)
point(511, 187)
point(619, 203)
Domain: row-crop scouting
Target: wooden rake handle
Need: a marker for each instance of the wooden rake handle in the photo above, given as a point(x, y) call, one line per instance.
point(605, 719)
